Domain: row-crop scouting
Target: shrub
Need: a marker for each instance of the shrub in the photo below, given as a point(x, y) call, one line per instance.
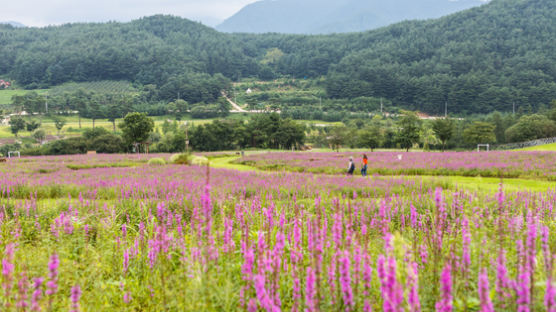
point(199, 160)
point(91, 134)
point(157, 161)
point(107, 143)
point(66, 147)
point(181, 159)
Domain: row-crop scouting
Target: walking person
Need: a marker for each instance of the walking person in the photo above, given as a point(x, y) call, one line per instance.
point(364, 165)
point(351, 166)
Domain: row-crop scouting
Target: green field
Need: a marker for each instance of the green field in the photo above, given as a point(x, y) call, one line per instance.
point(6, 95)
point(545, 147)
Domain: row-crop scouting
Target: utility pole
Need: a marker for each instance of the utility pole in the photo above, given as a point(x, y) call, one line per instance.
point(381, 105)
point(179, 95)
point(445, 109)
point(186, 139)
point(46, 104)
point(513, 107)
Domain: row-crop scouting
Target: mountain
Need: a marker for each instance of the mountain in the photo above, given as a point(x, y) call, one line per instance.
point(335, 16)
point(14, 24)
point(478, 60)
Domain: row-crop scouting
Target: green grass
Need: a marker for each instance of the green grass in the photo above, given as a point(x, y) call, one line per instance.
point(545, 147)
point(226, 163)
point(6, 95)
point(492, 184)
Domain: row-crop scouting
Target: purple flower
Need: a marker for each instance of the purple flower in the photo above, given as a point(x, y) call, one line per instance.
point(310, 291)
point(75, 295)
point(484, 295)
point(37, 294)
point(445, 303)
point(52, 284)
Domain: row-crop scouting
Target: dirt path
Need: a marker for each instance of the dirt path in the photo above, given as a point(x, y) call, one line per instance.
point(237, 108)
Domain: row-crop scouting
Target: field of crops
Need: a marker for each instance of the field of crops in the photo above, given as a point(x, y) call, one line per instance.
point(113, 233)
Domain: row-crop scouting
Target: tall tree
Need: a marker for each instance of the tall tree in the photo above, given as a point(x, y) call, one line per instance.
point(16, 124)
point(136, 128)
point(443, 129)
point(479, 132)
point(337, 137)
point(409, 126)
point(59, 123)
point(370, 137)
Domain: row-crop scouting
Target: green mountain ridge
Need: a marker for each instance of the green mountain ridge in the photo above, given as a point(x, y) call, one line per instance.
point(479, 60)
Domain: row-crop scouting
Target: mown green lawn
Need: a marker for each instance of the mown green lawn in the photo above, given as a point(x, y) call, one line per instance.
point(545, 147)
point(6, 95)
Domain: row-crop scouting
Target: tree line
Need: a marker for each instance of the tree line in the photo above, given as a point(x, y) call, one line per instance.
point(137, 133)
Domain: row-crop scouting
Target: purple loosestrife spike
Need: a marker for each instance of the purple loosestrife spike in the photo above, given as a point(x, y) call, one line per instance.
point(75, 296)
point(37, 294)
point(523, 290)
point(484, 295)
point(22, 287)
point(127, 297)
point(7, 270)
point(126, 260)
point(413, 285)
point(466, 242)
point(550, 293)
point(52, 284)
point(445, 303)
point(310, 291)
point(503, 283)
point(345, 280)
point(264, 298)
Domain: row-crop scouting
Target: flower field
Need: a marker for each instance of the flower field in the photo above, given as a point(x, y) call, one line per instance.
point(112, 233)
point(508, 164)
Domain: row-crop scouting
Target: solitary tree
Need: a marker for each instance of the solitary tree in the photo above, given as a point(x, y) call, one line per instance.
point(443, 129)
point(337, 137)
point(479, 132)
point(409, 126)
point(178, 108)
point(17, 124)
point(59, 123)
point(136, 128)
point(39, 135)
point(370, 137)
point(32, 125)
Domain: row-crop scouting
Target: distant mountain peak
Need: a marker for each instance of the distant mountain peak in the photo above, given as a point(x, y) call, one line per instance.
point(14, 24)
point(336, 16)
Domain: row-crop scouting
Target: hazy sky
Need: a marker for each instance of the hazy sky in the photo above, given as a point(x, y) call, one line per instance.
point(49, 12)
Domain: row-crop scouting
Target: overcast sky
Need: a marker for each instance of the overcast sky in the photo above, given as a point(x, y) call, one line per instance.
point(54, 12)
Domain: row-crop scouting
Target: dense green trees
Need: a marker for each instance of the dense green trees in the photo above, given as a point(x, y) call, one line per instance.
point(409, 127)
point(262, 131)
point(479, 132)
point(443, 129)
point(136, 128)
point(530, 128)
point(16, 124)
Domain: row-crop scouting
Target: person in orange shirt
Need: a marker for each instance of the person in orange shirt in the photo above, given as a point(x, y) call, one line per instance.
point(364, 165)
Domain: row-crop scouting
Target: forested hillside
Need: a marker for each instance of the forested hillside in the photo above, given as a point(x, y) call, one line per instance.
point(477, 61)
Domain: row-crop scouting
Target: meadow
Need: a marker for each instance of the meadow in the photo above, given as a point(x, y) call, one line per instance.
point(114, 233)
point(540, 165)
